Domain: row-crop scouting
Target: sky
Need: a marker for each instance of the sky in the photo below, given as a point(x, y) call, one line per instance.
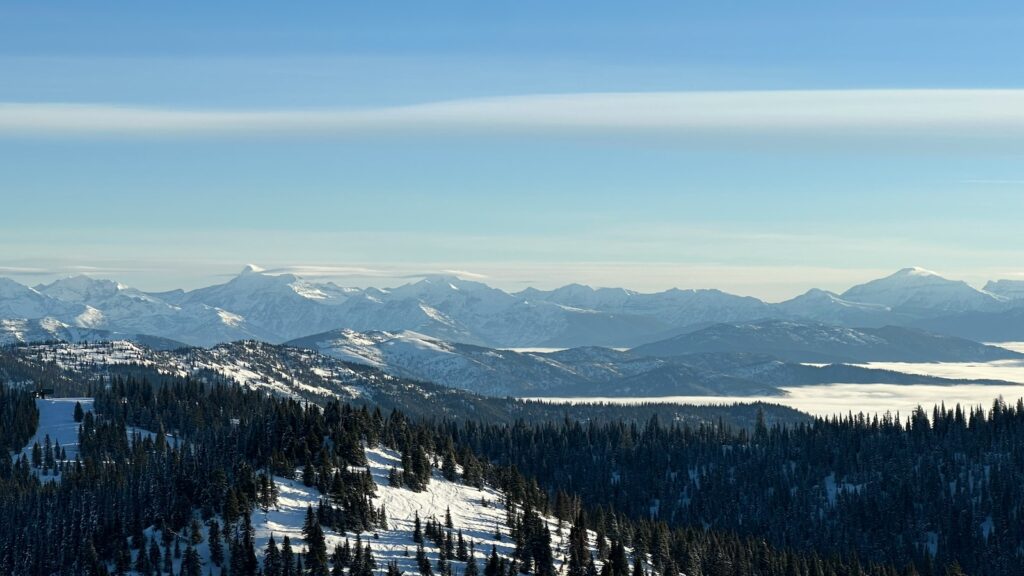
point(760, 148)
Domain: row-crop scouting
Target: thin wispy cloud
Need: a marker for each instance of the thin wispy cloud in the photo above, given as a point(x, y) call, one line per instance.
point(995, 182)
point(956, 112)
point(466, 274)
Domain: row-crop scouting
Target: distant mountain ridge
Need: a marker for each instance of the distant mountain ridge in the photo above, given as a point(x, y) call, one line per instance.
point(726, 368)
point(281, 307)
point(815, 342)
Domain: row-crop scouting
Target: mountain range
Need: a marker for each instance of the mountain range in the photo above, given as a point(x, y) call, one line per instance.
point(722, 360)
point(282, 307)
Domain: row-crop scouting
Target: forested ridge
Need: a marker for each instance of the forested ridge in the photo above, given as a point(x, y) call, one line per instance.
point(929, 490)
point(156, 459)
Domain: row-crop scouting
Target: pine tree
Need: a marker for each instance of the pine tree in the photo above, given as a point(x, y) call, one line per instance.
point(287, 558)
point(272, 559)
point(638, 566)
point(316, 556)
point(448, 465)
point(215, 544)
point(142, 564)
point(337, 561)
point(422, 562)
point(492, 568)
point(471, 567)
point(195, 532)
point(191, 565)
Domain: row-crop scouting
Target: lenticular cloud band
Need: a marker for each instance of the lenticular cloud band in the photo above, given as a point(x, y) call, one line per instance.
point(844, 111)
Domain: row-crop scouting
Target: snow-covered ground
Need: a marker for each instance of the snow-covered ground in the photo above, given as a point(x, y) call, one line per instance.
point(477, 521)
point(57, 420)
point(247, 363)
point(477, 512)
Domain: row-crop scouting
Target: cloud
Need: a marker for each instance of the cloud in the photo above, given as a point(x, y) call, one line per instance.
point(995, 182)
point(327, 271)
point(952, 112)
point(465, 274)
point(399, 273)
point(23, 271)
point(70, 269)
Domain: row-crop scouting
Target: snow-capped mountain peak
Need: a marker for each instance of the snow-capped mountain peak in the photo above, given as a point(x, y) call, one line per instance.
point(916, 289)
point(276, 307)
point(1009, 289)
point(81, 288)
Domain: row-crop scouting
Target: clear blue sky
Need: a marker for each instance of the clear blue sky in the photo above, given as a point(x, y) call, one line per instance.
point(424, 148)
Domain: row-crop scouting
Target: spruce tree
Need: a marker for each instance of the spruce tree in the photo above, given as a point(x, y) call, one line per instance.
point(272, 559)
point(316, 556)
point(215, 544)
point(287, 558)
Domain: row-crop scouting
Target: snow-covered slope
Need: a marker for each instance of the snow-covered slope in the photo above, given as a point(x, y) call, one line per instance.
point(477, 512)
point(1009, 289)
point(18, 301)
point(493, 372)
point(917, 290)
point(57, 426)
point(278, 307)
point(829, 307)
point(673, 307)
point(717, 361)
point(20, 331)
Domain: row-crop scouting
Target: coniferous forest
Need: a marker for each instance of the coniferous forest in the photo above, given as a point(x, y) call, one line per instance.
point(935, 494)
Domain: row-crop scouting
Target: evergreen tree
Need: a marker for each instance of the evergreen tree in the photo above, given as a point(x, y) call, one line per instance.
point(422, 562)
point(191, 565)
point(493, 568)
point(215, 544)
point(471, 567)
point(316, 556)
point(272, 565)
point(287, 558)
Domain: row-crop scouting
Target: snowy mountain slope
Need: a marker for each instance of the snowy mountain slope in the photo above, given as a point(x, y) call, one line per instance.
point(593, 371)
point(273, 307)
point(477, 512)
point(812, 342)
point(917, 290)
point(57, 423)
point(1009, 289)
point(279, 370)
point(482, 370)
point(276, 307)
point(118, 308)
point(828, 307)
point(673, 307)
point(21, 331)
point(494, 372)
point(18, 301)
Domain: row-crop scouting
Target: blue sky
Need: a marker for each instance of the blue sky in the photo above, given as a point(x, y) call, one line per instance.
point(762, 148)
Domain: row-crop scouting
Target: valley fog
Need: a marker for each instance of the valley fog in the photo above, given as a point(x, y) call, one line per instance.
point(831, 399)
